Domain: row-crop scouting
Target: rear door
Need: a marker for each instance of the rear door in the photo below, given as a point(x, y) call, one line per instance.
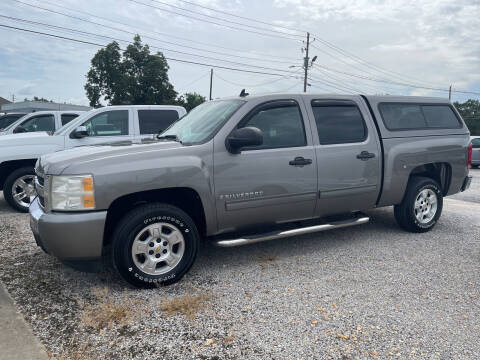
point(268, 183)
point(347, 152)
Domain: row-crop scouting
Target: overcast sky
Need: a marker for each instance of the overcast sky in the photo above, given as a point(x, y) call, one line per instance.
point(429, 43)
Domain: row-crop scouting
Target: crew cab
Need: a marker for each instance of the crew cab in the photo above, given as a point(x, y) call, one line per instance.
point(241, 170)
point(8, 119)
point(41, 121)
point(20, 151)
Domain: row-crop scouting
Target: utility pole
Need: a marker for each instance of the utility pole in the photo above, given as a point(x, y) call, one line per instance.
point(450, 93)
point(305, 63)
point(13, 98)
point(211, 83)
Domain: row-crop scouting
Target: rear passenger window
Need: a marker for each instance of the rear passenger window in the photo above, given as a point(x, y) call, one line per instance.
point(339, 124)
point(156, 121)
point(66, 118)
point(398, 116)
point(281, 125)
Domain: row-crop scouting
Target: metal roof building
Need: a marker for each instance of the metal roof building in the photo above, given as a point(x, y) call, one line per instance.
point(32, 106)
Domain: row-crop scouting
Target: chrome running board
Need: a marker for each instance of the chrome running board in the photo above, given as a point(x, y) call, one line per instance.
point(251, 239)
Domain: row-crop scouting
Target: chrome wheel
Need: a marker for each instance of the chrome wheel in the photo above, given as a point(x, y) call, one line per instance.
point(158, 248)
point(22, 189)
point(425, 206)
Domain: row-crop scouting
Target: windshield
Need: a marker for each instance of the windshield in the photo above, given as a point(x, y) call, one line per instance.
point(15, 123)
point(73, 124)
point(203, 121)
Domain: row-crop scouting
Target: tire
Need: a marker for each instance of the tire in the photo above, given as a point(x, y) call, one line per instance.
point(420, 216)
point(175, 241)
point(11, 194)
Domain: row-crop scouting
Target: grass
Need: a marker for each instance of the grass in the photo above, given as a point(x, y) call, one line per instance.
point(107, 311)
point(187, 305)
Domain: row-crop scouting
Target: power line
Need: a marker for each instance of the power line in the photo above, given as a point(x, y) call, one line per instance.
point(241, 17)
point(256, 85)
point(194, 81)
point(229, 21)
point(214, 22)
point(162, 33)
point(155, 47)
point(168, 58)
point(144, 35)
point(395, 82)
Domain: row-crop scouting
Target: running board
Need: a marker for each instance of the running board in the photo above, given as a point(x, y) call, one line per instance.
point(251, 239)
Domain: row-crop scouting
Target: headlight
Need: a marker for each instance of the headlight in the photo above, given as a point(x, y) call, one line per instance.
point(72, 193)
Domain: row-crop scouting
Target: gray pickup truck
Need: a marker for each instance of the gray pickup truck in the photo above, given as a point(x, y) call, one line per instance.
point(241, 170)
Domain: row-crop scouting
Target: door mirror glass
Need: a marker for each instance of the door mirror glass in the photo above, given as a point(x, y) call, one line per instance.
point(79, 132)
point(242, 138)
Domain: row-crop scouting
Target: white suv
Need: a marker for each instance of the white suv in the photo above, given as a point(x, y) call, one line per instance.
point(20, 151)
point(41, 121)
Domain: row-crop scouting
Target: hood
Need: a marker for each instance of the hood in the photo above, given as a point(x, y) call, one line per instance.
point(30, 138)
point(59, 162)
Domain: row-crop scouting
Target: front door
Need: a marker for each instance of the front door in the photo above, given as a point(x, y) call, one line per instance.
point(272, 183)
point(348, 156)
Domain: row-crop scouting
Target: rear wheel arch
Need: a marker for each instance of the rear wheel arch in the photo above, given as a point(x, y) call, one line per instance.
point(441, 172)
point(186, 199)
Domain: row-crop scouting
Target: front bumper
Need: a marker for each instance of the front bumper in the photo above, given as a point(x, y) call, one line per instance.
point(68, 236)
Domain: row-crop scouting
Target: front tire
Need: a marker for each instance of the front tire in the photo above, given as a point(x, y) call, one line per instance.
point(155, 244)
point(18, 188)
point(421, 207)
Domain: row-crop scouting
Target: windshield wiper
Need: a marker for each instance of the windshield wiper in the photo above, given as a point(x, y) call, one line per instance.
point(169, 137)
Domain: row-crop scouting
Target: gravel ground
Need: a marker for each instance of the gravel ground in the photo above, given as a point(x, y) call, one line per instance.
point(371, 291)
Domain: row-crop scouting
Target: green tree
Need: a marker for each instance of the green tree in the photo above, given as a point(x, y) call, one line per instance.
point(470, 111)
point(190, 100)
point(132, 77)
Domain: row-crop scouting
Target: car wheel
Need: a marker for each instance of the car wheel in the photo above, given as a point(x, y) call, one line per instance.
point(421, 207)
point(155, 244)
point(18, 188)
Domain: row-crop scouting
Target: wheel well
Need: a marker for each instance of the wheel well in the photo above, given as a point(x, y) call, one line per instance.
point(184, 198)
point(440, 172)
point(7, 167)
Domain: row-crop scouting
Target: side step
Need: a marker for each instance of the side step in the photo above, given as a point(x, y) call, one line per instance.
point(250, 239)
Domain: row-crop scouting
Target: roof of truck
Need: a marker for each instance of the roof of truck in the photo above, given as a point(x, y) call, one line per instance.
point(376, 98)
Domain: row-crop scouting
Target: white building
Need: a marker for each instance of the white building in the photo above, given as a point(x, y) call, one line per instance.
point(32, 106)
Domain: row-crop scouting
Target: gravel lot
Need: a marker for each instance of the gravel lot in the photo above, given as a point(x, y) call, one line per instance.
point(371, 291)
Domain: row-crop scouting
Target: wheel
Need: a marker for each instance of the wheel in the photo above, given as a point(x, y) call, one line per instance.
point(421, 207)
point(155, 244)
point(18, 188)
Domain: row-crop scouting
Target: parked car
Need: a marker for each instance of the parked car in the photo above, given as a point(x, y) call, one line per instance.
point(8, 119)
point(41, 121)
point(475, 151)
point(19, 152)
point(248, 169)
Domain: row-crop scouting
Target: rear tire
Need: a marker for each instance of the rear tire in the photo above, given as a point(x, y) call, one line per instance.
point(154, 244)
point(18, 188)
point(421, 206)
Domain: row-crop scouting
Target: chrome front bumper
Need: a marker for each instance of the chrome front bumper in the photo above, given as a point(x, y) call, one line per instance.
point(68, 236)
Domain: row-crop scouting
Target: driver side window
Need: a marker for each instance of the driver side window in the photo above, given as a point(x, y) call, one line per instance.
point(108, 123)
point(39, 123)
point(281, 125)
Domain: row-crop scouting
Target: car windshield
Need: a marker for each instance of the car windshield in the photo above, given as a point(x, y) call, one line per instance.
point(73, 124)
point(15, 123)
point(203, 121)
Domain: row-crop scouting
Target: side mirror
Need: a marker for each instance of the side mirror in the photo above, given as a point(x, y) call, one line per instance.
point(19, 129)
point(242, 138)
point(79, 132)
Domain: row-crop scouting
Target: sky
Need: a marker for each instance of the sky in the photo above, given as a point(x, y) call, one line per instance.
point(363, 46)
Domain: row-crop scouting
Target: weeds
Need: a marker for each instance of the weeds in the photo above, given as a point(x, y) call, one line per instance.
point(187, 305)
